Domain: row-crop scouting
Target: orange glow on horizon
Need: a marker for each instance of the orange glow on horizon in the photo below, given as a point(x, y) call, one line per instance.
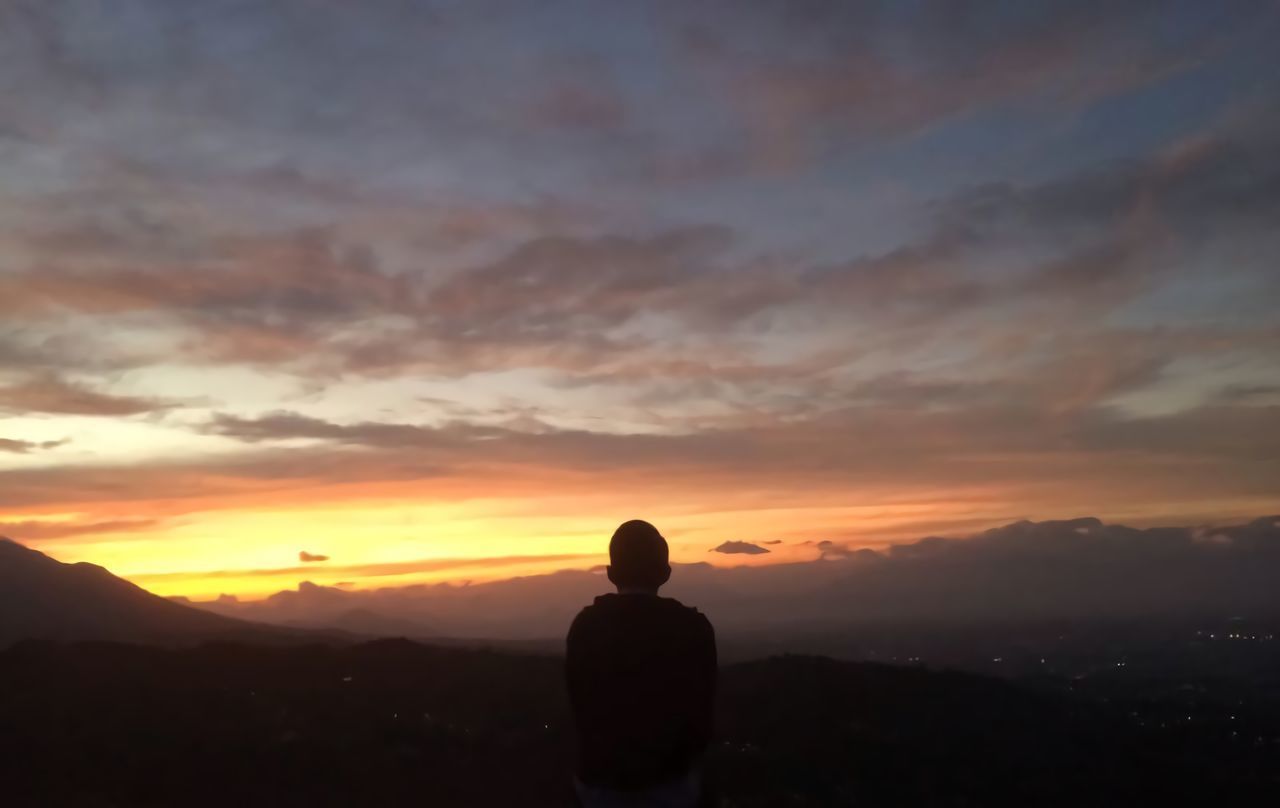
point(374, 542)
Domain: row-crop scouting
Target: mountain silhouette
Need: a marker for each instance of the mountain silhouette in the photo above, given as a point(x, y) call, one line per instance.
point(41, 598)
point(1069, 570)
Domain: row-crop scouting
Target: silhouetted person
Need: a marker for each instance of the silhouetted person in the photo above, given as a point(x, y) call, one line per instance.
point(641, 671)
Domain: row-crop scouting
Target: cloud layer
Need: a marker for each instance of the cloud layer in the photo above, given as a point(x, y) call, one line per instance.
point(741, 266)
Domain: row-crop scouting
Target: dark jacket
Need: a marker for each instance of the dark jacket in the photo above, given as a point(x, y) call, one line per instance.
point(642, 673)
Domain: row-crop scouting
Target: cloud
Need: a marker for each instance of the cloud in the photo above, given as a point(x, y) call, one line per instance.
point(234, 311)
point(575, 105)
point(640, 312)
point(1251, 393)
point(1051, 324)
point(805, 78)
point(285, 425)
point(739, 547)
point(39, 530)
point(552, 287)
point(380, 570)
point(26, 446)
point(50, 394)
point(828, 549)
point(990, 446)
point(1221, 179)
point(306, 557)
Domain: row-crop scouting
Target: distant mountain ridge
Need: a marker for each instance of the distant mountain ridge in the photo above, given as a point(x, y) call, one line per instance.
point(1024, 572)
point(42, 598)
point(1073, 569)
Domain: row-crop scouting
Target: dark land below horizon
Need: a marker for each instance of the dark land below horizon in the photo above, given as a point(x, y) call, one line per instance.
point(395, 722)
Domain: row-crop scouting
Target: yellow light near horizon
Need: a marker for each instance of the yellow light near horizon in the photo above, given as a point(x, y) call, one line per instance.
point(252, 553)
point(258, 584)
point(378, 538)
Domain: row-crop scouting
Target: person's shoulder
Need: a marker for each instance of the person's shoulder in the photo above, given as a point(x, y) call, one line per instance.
point(676, 605)
point(688, 614)
point(591, 613)
point(586, 614)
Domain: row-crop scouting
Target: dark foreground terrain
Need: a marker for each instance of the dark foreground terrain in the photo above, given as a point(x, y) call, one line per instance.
point(397, 723)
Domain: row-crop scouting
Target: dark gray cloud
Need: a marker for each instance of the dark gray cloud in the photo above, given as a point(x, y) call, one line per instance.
point(1250, 394)
point(1223, 179)
point(739, 548)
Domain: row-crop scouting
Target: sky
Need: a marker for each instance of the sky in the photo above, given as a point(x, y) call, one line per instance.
point(392, 292)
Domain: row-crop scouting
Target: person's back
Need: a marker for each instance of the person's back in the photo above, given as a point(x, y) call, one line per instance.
point(641, 673)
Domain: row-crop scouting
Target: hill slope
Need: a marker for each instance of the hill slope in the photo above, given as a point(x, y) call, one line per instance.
point(47, 599)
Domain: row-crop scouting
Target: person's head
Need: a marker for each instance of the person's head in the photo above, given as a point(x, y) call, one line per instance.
point(638, 559)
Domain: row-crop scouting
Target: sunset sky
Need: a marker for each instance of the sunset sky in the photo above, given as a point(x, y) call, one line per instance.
point(445, 291)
